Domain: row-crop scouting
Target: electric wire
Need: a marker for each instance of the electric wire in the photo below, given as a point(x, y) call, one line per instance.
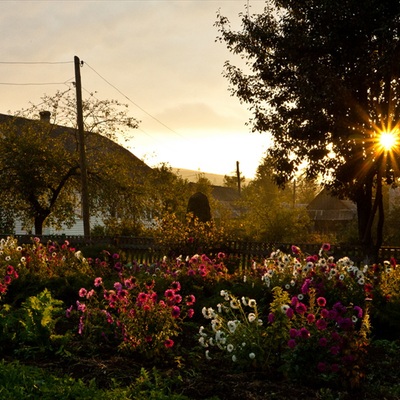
point(131, 101)
point(35, 62)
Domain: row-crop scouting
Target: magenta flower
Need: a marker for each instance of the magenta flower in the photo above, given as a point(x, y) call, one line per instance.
point(98, 281)
point(68, 311)
point(190, 313)
point(177, 298)
point(10, 270)
point(310, 318)
point(326, 247)
point(335, 350)
point(306, 286)
point(294, 300)
point(304, 333)
point(80, 306)
point(290, 313)
point(293, 333)
point(333, 314)
point(205, 258)
point(80, 326)
point(321, 366)
point(176, 286)
point(118, 266)
point(321, 301)
point(7, 279)
point(323, 342)
point(176, 311)
point(324, 313)
point(190, 300)
point(359, 311)
point(221, 255)
point(321, 324)
point(169, 294)
point(291, 343)
point(82, 292)
point(295, 249)
point(335, 367)
point(301, 308)
point(142, 298)
point(271, 318)
point(346, 324)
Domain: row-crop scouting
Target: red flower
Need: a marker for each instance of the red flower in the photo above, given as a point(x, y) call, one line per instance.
point(168, 343)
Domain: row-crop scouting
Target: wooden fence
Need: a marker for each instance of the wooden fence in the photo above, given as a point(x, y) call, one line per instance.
point(144, 250)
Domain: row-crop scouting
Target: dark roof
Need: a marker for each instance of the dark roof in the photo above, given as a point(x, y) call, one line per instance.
point(228, 197)
point(225, 194)
point(325, 207)
point(98, 145)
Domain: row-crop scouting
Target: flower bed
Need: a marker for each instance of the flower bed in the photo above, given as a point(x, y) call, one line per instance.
point(295, 317)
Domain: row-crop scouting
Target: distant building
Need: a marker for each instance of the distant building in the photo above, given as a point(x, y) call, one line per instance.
point(330, 213)
point(100, 147)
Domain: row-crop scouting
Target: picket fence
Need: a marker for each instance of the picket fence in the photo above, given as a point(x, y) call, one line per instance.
point(143, 250)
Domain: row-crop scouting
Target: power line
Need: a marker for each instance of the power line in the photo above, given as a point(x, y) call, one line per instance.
point(33, 83)
point(136, 105)
point(35, 62)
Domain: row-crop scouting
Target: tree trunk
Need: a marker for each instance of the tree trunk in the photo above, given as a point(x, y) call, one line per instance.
point(366, 212)
point(39, 221)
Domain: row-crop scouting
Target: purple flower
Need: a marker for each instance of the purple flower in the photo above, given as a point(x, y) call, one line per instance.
point(305, 287)
point(294, 300)
point(68, 311)
point(359, 311)
point(293, 333)
point(301, 308)
point(290, 313)
point(346, 324)
point(321, 366)
point(291, 343)
point(304, 333)
point(176, 311)
point(335, 350)
point(324, 313)
point(271, 318)
point(323, 342)
point(321, 324)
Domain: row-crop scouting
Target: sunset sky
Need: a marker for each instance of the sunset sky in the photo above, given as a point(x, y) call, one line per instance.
point(159, 57)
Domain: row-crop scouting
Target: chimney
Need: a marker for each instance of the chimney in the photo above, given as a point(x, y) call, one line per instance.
point(45, 116)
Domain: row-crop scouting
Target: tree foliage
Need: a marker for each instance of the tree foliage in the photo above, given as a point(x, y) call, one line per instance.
point(40, 169)
point(322, 77)
point(271, 213)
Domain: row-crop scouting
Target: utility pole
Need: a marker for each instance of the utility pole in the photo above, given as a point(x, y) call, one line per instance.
point(238, 175)
point(82, 151)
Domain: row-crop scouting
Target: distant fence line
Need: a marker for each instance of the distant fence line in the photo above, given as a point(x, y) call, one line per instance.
point(144, 250)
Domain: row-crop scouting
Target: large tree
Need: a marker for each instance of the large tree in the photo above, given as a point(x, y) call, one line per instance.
point(322, 77)
point(40, 165)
